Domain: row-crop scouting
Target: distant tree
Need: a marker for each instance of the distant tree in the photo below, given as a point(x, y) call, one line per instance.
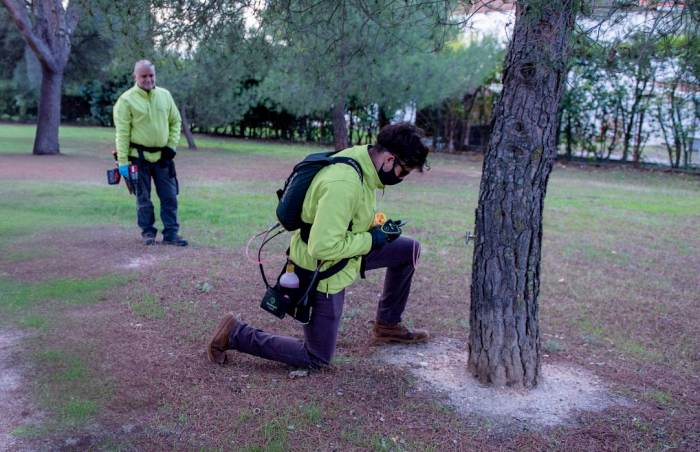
point(677, 108)
point(444, 82)
point(47, 26)
point(635, 68)
point(11, 53)
point(211, 92)
point(592, 104)
point(504, 339)
point(11, 45)
point(328, 52)
point(614, 79)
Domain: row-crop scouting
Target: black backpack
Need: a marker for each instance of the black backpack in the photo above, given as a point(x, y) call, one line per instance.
point(291, 197)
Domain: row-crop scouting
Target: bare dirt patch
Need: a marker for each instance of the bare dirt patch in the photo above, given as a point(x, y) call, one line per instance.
point(222, 166)
point(563, 391)
point(55, 168)
point(140, 262)
point(15, 405)
point(85, 252)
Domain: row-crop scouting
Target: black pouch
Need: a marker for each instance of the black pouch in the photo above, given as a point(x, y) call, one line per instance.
point(276, 302)
point(297, 303)
point(167, 154)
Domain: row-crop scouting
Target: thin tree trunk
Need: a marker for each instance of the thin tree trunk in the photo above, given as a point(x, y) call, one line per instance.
point(450, 126)
point(637, 151)
point(49, 115)
point(557, 140)
point(603, 138)
point(468, 102)
point(504, 339)
point(187, 131)
point(613, 141)
point(638, 94)
point(382, 118)
point(340, 127)
point(569, 138)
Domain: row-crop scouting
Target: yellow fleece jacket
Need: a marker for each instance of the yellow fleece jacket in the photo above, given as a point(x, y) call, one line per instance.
point(336, 197)
point(149, 118)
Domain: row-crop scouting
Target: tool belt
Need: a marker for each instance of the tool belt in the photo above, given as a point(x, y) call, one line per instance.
point(166, 154)
point(166, 160)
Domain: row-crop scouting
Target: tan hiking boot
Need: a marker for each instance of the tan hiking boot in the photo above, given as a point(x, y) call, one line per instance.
point(384, 333)
point(216, 351)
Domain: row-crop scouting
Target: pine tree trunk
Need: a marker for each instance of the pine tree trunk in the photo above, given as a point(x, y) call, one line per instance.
point(340, 127)
point(504, 340)
point(49, 114)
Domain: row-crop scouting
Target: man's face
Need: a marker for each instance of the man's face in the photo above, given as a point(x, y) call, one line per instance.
point(145, 77)
point(391, 162)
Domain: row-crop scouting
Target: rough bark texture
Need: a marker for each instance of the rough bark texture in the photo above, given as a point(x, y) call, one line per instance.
point(340, 127)
point(504, 340)
point(49, 114)
point(48, 35)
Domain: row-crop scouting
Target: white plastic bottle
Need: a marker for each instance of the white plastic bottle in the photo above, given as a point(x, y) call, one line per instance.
point(289, 279)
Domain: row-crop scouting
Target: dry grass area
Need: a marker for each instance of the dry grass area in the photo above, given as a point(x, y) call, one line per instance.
point(122, 365)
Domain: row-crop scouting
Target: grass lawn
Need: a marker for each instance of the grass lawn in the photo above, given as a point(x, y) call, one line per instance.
point(107, 337)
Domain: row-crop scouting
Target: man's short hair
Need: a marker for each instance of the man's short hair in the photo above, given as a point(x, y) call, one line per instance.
point(143, 63)
point(404, 140)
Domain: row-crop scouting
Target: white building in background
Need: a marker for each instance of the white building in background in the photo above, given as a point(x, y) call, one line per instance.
point(490, 18)
point(606, 25)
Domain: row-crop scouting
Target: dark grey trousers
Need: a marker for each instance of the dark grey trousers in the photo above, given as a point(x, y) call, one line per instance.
point(320, 335)
point(165, 180)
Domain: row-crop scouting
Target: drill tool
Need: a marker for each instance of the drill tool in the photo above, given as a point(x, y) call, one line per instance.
point(113, 176)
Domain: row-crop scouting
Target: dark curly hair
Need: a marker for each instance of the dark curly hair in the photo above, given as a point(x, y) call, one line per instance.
point(404, 140)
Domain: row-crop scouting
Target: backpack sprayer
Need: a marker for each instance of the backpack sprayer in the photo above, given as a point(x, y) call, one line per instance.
point(113, 176)
point(295, 287)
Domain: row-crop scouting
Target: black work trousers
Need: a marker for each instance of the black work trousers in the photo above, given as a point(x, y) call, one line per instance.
point(165, 179)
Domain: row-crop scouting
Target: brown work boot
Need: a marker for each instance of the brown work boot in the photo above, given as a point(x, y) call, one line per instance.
point(216, 351)
point(385, 333)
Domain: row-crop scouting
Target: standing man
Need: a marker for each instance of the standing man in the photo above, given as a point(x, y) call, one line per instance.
point(340, 208)
point(148, 130)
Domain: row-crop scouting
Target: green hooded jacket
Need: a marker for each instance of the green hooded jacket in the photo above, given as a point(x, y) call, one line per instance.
point(336, 197)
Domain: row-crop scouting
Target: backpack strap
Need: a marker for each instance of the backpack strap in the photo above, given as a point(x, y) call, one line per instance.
point(349, 161)
point(333, 269)
point(305, 229)
point(318, 275)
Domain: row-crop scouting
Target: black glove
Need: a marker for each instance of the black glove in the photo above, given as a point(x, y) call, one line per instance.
point(392, 229)
point(168, 153)
point(379, 237)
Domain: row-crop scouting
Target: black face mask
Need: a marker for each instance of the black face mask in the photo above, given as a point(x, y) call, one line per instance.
point(389, 177)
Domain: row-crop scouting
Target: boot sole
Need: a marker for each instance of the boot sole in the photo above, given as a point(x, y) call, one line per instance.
point(173, 244)
point(394, 340)
point(219, 329)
